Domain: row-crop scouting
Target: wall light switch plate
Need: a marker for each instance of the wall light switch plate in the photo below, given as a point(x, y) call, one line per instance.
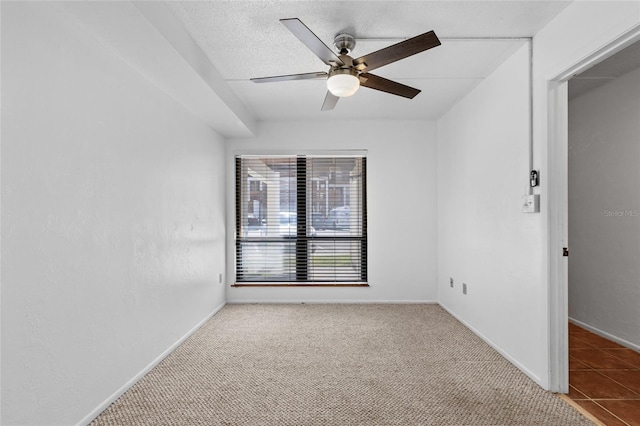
point(531, 203)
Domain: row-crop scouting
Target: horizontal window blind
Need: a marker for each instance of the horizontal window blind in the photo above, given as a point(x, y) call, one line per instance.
point(301, 219)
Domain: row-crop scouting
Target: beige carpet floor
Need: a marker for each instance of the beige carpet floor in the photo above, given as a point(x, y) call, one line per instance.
point(336, 365)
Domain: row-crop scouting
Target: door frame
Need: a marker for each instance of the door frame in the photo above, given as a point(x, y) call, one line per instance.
point(558, 210)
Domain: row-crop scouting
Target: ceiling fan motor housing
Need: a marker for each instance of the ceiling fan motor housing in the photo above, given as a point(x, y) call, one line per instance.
point(347, 67)
point(343, 70)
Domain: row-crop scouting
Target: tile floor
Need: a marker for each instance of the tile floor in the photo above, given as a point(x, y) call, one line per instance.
point(604, 378)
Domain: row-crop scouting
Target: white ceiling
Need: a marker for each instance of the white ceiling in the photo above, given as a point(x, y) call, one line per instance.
point(244, 39)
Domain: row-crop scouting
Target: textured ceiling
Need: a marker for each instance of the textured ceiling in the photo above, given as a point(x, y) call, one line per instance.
point(623, 62)
point(244, 39)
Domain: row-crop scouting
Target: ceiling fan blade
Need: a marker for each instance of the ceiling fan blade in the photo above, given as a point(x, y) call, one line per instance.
point(305, 76)
point(306, 36)
point(373, 81)
point(398, 51)
point(330, 101)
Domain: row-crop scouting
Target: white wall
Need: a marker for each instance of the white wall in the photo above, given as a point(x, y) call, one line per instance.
point(518, 291)
point(484, 239)
point(401, 195)
point(604, 208)
point(112, 219)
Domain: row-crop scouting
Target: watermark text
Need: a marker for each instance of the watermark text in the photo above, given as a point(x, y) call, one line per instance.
point(622, 213)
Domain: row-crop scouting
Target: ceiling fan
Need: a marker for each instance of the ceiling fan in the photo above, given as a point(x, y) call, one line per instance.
point(346, 74)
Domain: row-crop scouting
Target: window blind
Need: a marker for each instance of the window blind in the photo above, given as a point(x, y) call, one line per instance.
point(301, 219)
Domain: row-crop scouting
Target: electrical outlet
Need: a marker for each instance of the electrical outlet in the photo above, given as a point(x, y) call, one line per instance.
point(451, 282)
point(464, 288)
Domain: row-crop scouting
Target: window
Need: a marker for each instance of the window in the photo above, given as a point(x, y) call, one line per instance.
point(301, 219)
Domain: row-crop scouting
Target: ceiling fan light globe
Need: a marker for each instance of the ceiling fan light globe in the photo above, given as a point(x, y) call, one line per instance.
point(343, 85)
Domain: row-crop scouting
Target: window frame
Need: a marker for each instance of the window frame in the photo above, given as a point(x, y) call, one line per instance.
point(302, 239)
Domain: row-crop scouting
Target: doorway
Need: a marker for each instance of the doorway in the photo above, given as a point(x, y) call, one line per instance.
point(557, 211)
point(558, 145)
point(604, 231)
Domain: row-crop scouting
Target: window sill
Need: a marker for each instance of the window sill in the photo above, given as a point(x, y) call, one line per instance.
point(300, 285)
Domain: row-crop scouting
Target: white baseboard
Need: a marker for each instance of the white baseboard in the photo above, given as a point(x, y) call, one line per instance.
point(606, 335)
point(512, 360)
point(117, 394)
point(332, 301)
